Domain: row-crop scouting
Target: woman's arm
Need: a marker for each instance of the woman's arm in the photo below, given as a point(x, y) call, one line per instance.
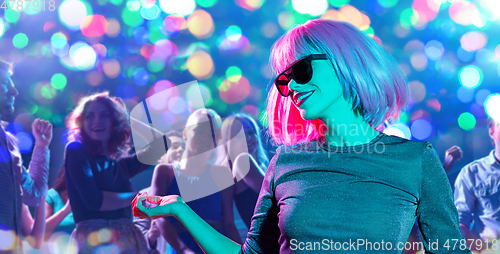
point(54, 219)
point(162, 177)
point(116, 200)
point(264, 233)
point(246, 168)
point(211, 241)
point(33, 230)
point(80, 175)
point(436, 214)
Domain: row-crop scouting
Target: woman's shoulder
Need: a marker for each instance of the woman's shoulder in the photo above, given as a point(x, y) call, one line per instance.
point(165, 170)
point(76, 145)
point(219, 170)
point(52, 195)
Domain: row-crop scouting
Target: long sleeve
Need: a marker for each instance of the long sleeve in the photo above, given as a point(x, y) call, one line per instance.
point(33, 181)
point(264, 232)
point(465, 200)
point(437, 215)
point(144, 158)
point(79, 174)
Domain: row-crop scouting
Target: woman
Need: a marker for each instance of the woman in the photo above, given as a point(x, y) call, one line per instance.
point(336, 177)
point(98, 173)
point(58, 209)
point(199, 181)
point(248, 160)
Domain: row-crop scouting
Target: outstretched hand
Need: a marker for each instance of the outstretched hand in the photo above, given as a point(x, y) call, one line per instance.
point(165, 206)
point(42, 130)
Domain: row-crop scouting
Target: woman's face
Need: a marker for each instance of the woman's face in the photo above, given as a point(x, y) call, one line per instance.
point(494, 132)
point(327, 94)
point(198, 134)
point(97, 122)
point(174, 152)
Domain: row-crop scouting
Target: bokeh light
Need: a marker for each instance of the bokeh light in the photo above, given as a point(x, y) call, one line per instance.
point(113, 28)
point(20, 40)
point(250, 5)
point(434, 50)
point(25, 142)
point(182, 8)
point(421, 129)
point(470, 76)
point(418, 91)
point(206, 3)
point(141, 77)
point(461, 12)
point(233, 92)
point(94, 25)
point(58, 81)
point(174, 23)
point(200, 65)
point(311, 7)
point(8, 239)
point(473, 41)
point(466, 121)
point(387, 3)
point(111, 68)
point(72, 12)
point(398, 129)
point(150, 11)
point(83, 56)
point(492, 106)
point(465, 94)
point(200, 24)
point(2, 27)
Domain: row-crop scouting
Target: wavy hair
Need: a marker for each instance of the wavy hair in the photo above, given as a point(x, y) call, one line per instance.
point(119, 142)
point(230, 128)
point(60, 184)
point(371, 79)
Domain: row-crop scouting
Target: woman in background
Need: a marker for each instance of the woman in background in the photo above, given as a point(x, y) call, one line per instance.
point(98, 172)
point(248, 161)
point(199, 180)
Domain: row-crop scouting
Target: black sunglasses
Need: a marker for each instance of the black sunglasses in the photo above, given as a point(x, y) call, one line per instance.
point(301, 71)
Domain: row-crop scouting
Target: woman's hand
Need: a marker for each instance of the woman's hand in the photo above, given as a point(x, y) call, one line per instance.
point(67, 207)
point(42, 130)
point(153, 232)
point(165, 206)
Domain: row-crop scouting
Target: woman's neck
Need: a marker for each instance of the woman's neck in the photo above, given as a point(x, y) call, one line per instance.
point(350, 131)
point(193, 164)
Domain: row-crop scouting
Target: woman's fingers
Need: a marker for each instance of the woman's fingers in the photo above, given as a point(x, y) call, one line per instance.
point(154, 200)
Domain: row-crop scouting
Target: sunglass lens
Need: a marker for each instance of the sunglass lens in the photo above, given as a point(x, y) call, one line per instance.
point(302, 71)
point(282, 83)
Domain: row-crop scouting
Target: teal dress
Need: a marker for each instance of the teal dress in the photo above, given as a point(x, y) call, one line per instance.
point(54, 200)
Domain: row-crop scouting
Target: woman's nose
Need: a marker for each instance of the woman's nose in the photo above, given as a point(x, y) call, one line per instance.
point(13, 91)
point(292, 85)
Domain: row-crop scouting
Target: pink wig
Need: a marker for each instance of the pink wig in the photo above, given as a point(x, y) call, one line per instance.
point(371, 79)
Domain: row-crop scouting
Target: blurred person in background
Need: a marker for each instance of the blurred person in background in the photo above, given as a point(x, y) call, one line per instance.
point(155, 241)
point(17, 184)
point(248, 161)
point(477, 192)
point(98, 169)
point(198, 178)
